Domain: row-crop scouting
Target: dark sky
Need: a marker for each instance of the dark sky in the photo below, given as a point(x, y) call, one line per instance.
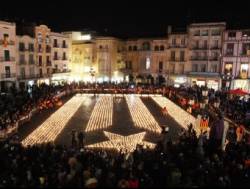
point(127, 18)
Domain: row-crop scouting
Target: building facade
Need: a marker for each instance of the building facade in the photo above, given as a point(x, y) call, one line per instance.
point(205, 53)
point(178, 66)
point(60, 57)
point(43, 55)
point(27, 72)
point(7, 55)
point(235, 63)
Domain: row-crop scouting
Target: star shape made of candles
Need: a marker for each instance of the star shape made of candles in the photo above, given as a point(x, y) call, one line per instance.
point(123, 144)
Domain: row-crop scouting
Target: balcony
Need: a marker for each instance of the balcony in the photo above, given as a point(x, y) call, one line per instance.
point(2, 59)
point(195, 58)
point(64, 46)
point(31, 49)
point(22, 62)
point(216, 33)
point(48, 49)
point(215, 48)
point(21, 49)
point(48, 63)
point(31, 76)
point(55, 45)
point(199, 48)
point(31, 61)
point(56, 58)
point(8, 76)
point(10, 42)
point(214, 58)
point(64, 58)
point(57, 71)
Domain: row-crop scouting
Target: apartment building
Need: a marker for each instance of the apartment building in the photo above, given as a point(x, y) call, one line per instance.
point(60, 57)
point(205, 53)
point(43, 55)
point(178, 66)
point(27, 72)
point(235, 62)
point(7, 55)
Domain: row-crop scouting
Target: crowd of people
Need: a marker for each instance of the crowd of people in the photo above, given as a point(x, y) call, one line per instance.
point(18, 104)
point(190, 161)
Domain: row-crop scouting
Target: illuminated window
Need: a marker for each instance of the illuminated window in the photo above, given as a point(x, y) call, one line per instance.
point(244, 70)
point(228, 68)
point(147, 63)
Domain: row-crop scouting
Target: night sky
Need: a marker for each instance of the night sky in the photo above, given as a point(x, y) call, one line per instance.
point(138, 18)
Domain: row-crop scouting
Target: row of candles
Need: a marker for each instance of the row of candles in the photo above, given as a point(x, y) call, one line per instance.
point(52, 127)
point(102, 114)
point(179, 115)
point(141, 116)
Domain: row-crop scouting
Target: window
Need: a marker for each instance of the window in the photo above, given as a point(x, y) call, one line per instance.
point(203, 67)
point(228, 70)
point(40, 38)
point(47, 39)
point(134, 48)
point(160, 66)
point(162, 48)
point(7, 55)
point(41, 72)
point(22, 72)
point(55, 43)
point(156, 48)
point(245, 48)
point(31, 59)
point(40, 60)
point(243, 70)
point(196, 45)
point(130, 64)
point(47, 61)
point(31, 47)
point(205, 44)
point(214, 68)
point(232, 34)
point(182, 56)
point(216, 44)
point(130, 48)
point(172, 55)
point(22, 59)
point(182, 41)
point(246, 33)
point(7, 71)
point(55, 56)
point(100, 47)
point(21, 46)
point(147, 63)
point(5, 36)
point(39, 48)
point(48, 70)
point(173, 41)
point(32, 71)
point(64, 56)
point(196, 32)
point(64, 44)
point(204, 32)
point(146, 46)
point(230, 49)
point(195, 67)
point(216, 32)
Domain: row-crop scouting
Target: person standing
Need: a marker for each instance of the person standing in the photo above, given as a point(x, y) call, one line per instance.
point(73, 138)
point(80, 137)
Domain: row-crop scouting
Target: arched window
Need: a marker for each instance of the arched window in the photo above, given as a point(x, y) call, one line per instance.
point(146, 46)
point(156, 48)
point(130, 48)
point(161, 48)
point(135, 48)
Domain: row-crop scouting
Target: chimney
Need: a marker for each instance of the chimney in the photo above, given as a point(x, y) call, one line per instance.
point(169, 30)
